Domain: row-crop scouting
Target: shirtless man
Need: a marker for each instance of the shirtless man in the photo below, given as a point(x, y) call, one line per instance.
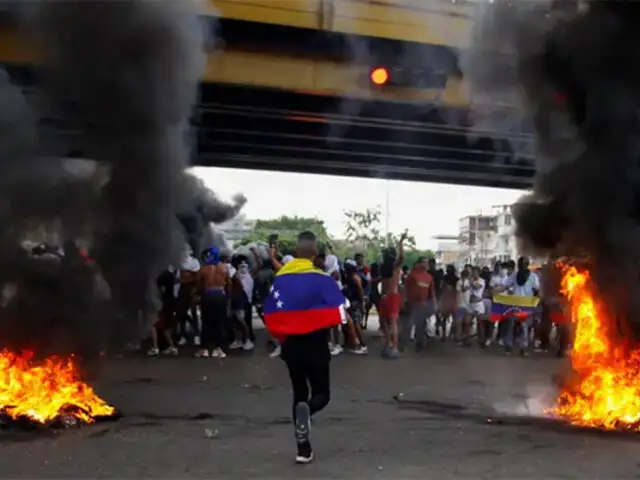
point(214, 281)
point(391, 298)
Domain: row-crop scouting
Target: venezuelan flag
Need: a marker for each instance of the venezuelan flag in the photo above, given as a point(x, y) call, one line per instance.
point(302, 300)
point(508, 306)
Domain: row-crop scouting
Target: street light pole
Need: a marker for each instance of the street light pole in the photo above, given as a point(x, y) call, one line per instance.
point(387, 212)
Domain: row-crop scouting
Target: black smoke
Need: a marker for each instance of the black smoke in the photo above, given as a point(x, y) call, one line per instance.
point(127, 71)
point(577, 65)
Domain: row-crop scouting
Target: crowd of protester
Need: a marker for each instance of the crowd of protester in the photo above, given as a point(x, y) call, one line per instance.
point(210, 299)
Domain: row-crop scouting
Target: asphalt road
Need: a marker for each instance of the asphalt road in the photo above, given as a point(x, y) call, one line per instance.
point(424, 416)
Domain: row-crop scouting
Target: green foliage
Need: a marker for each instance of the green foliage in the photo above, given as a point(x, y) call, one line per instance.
point(364, 231)
point(364, 228)
point(412, 256)
point(287, 229)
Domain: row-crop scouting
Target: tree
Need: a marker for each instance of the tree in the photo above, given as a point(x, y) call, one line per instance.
point(364, 231)
point(293, 226)
point(287, 228)
point(412, 256)
point(364, 228)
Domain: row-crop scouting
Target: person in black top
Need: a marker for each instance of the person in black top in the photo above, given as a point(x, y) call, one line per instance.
point(354, 292)
point(374, 293)
point(447, 301)
point(166, 317)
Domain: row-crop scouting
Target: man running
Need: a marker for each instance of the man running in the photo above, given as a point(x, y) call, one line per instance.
point(215, 276)
point(391, 298)
point(303, 304)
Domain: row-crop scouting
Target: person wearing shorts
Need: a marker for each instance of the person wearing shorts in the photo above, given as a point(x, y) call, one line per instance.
point(391, 301)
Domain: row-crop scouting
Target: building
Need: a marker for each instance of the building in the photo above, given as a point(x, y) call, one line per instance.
point(449, 253)
point(488, 238)
point(504, 245)
point(475, 237)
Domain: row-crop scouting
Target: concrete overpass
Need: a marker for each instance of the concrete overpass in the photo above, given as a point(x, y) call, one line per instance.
point(290, 91)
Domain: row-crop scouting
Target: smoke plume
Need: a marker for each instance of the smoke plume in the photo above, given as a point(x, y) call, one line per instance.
point(128, 72)
point(577, 67)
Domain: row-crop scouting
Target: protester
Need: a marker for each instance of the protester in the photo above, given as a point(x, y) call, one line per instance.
point(391, 301)
point(420, 292)
point(186, 311)
point(166, 285)
point(215, 276)
point(523, 284)
point(303, 304)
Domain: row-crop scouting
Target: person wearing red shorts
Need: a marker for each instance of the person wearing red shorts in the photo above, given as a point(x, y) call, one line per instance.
point(391, 301)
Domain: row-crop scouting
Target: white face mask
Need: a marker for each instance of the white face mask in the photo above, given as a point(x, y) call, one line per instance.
point(504, 272)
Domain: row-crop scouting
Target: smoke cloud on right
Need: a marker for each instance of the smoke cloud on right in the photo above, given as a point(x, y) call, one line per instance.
point(576, 68)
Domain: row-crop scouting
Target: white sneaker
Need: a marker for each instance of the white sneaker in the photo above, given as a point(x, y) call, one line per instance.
point(235, 345)
point(360, 350)
point(182, 341)
point(218, 353)
point(196, 341)
point(202, 353)
point(248, 345)
point(276, 352)
point(173, 351)
point(153, 352)
point(335, 350)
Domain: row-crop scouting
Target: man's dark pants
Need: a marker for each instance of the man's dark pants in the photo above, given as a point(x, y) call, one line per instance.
point(307, 357)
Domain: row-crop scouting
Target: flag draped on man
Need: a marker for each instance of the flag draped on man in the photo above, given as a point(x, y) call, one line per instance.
point(302, 299)
point(509, 306)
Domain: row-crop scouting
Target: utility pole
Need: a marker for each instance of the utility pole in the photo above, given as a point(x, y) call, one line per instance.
point(387, 211)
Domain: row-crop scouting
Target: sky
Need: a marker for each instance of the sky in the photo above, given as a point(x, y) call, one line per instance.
point(426, 209)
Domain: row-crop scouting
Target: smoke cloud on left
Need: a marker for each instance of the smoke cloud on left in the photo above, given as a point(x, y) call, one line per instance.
point(128, 73)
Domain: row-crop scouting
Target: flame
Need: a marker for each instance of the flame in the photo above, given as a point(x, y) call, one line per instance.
point(605, 391)
point(41, 391)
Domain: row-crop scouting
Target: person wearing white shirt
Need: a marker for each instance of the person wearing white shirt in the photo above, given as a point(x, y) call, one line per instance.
point(501, 285)
point(474, 293)
point(241, 308)
point(523, 283)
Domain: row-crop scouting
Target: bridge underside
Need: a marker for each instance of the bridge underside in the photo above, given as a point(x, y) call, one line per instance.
point(284, 131)
point(275, 130)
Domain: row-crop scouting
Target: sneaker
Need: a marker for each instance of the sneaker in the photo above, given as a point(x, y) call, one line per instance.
point(182, 341)
point(235, 345)
point(508, 350)
point(202, 353)
point(390, 353)
point(305, 453)
point(276, 352)
point(173, 351)
point(196, 341)
point(524, 352)
point(247, 346)
point(487, 343)
point(153, 352)
point(335, 349)
point(218, 353)
point(360, 350)
point(303, 422)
